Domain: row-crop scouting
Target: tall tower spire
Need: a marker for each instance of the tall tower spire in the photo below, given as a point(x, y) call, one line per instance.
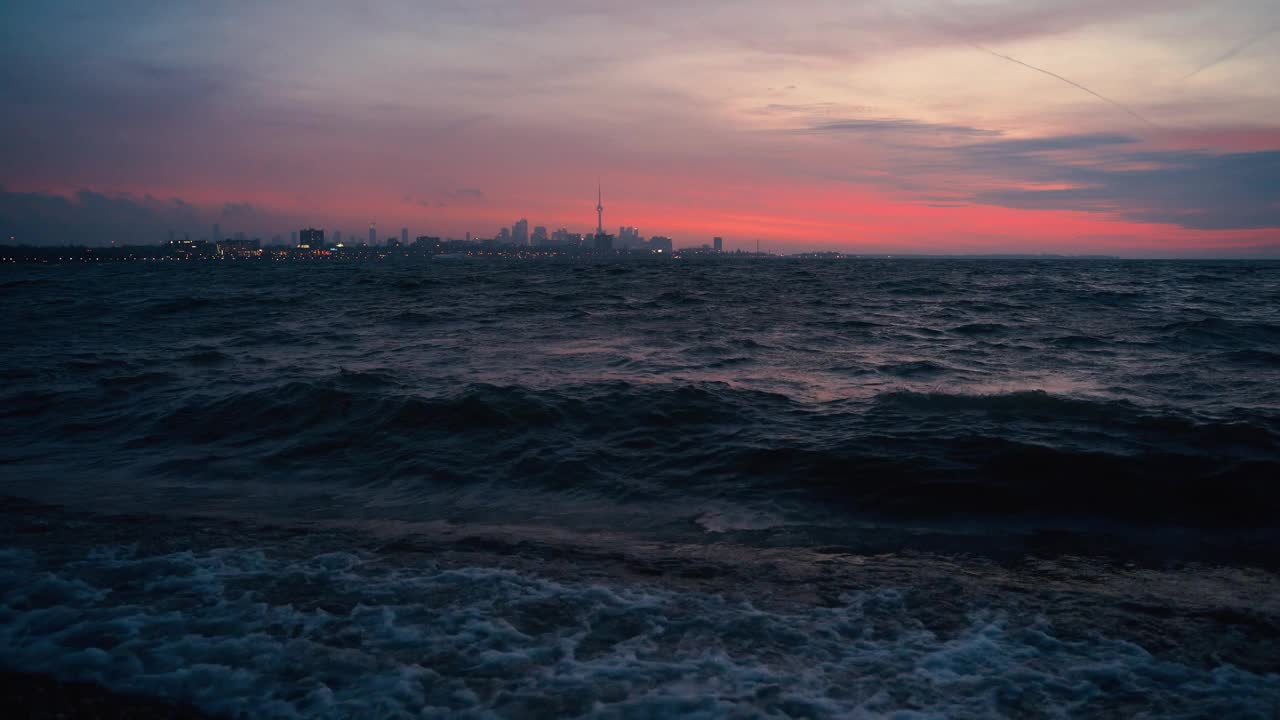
point(599, 210)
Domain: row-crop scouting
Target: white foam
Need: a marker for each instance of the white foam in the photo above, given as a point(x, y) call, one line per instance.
point(728, 519)
point(344, 635)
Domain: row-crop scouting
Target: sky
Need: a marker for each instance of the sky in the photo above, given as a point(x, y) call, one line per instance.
point(1142, 127)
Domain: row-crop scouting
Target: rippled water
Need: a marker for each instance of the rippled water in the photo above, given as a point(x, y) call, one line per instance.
point(798, 488)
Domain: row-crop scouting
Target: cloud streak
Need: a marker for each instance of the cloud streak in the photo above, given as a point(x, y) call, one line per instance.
point(1232, 52)
point(896, 125)
point(1119, 105)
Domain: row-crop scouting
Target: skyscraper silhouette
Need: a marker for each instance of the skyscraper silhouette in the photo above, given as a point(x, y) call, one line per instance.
point(310, 239)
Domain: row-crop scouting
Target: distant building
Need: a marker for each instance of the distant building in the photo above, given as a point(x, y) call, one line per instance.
point(188, 248)
point(539, 236)
point(660, 244)
point(703, 249)
point(717, 244)
point(373, 233)
point(240, 248)
point(310, 239)
point(520, 232)
point(293, 238)
point(217, 233)
point(404, 236)
point(603, 243)
point(629, 237)
point(337, 237)
point(564, 238)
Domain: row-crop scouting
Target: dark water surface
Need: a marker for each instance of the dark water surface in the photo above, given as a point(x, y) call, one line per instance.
point(904, 488)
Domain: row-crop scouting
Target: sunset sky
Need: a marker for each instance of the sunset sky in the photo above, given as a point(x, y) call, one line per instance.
point(1135, 127)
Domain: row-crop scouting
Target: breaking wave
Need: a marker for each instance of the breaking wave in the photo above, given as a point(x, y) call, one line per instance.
point(342, 635)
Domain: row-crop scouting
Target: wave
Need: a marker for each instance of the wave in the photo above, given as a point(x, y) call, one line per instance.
point(1079, 342)
point(677, 298)
point(993, 478)
point(23, 284)
point(825, 387)
point(207, 356)
point(149, 378)
point(1150, 428)
point(900, 453)
point(1261, 358)
point(184, 305)
point(915, 369)
point(844, 324)
point(980, 329)
point(1218, 332)
point(347, 400)
point(916, 286)
point(1029, 403)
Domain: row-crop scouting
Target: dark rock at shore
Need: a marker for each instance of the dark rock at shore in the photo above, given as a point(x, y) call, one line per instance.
point(31, 696)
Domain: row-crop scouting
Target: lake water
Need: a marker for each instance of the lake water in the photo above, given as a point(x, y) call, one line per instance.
point(735, 488)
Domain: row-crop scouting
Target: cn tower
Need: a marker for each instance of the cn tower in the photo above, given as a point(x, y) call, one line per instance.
point(599, 211)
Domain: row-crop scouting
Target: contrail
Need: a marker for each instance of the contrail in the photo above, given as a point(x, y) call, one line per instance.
point(1232, 52)
point(1068, 81)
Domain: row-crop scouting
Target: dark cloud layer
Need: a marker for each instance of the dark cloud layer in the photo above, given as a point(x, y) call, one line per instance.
point(461, 196)
point(93, 218)
point(896, 125)
point(1195, 190)
point(1049, 144)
